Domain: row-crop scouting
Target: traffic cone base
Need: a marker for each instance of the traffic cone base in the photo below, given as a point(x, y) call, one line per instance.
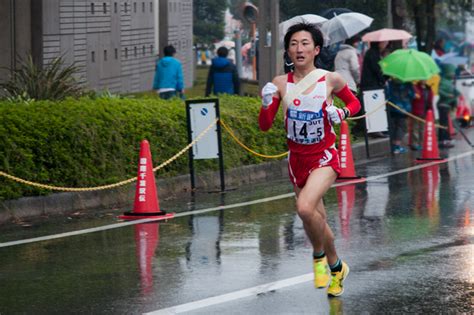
point(159, 216)
point(146, 205)
point(427, 160)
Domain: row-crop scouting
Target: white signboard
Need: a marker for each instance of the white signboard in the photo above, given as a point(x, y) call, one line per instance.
point(375, 121)
point(201, 116)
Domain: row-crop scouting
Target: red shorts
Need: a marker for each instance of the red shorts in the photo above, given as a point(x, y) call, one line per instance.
point(301, 165)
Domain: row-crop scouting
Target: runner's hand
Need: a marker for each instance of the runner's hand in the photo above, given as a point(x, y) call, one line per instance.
point(267, 94)
point(335, 114)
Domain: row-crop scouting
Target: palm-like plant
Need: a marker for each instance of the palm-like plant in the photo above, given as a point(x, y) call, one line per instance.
point(54, 81)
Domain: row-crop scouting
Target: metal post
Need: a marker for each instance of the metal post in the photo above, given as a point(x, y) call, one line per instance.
point(191, 155)
point(219, 145)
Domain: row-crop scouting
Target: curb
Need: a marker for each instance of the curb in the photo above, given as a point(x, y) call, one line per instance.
point(69, 202)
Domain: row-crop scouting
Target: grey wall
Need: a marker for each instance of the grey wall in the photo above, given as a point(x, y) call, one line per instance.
point(112, 41)
point(15, 33)
point(176, 28)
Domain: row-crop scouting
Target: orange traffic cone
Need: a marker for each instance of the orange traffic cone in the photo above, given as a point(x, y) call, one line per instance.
point(345, 154)
point(451, 130)
point(430, 150)
point(146, 204)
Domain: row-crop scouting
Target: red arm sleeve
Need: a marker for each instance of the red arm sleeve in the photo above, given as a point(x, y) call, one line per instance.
point(352, 103)
point(267, 115)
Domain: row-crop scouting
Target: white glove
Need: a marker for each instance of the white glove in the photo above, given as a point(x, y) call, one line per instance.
point(335, 114)
point(267, 94)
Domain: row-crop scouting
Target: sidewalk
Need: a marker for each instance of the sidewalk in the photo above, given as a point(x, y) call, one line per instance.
point(69, 202)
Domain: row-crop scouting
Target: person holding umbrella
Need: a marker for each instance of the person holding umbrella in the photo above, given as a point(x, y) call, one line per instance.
point(313, 161)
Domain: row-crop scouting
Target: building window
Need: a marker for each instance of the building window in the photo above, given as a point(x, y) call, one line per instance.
point(151, 49)
point(126, 52)
point(115, 7)
point(126, 7)
point(92, 56)
point(134, 7)
point(92, 8)
point(116, 53)
point(151, 6)
point(135, 51)
point(143, 50)
point(143, 7)
point(105, 54)
point(104, 7)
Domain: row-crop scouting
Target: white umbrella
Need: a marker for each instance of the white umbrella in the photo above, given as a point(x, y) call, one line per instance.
point(306, 18)
point(344, 26)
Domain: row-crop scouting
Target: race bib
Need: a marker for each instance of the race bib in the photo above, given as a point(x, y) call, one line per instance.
point(305, 127)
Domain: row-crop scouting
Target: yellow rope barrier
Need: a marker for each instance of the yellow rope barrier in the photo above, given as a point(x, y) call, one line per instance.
point(130, 180)
point(181, 152)
point(247, 148)
point(413, 116)
point(366, 114)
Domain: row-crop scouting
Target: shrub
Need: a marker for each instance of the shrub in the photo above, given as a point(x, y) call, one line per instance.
point(88, 142)
point(54, 81)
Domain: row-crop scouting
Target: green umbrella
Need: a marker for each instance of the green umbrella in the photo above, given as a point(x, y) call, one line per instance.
point(409, 65)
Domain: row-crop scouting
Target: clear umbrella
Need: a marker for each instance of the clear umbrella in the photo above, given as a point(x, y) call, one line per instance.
point(344, 26)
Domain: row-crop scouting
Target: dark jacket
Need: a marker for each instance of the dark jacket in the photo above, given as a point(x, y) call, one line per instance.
point(372, 77)
point(401, 94)
point(223, 77)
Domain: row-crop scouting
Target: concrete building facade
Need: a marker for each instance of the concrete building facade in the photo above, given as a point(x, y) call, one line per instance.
point(115, 43)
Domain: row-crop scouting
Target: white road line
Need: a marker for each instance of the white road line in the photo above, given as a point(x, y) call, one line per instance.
point(235, 295)
point(219, 208)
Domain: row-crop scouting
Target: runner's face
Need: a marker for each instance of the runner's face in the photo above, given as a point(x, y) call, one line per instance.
point(301, 49)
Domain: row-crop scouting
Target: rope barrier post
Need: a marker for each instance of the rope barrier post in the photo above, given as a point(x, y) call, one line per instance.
point(191, 155)
point(219, 145)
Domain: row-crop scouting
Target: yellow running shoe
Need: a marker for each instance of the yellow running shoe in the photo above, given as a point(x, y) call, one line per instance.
point(321, 272)
point(336, 288)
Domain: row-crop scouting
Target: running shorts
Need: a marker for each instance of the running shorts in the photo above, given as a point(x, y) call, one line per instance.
point(301, 165)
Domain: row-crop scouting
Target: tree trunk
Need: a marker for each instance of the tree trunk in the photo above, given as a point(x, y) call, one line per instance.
point(399, 13)
point(424, 16)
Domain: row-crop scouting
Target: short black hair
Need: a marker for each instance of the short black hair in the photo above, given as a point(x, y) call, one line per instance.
point(169, 50)
point(313, 29)
point(222, 51)
point(352, 40)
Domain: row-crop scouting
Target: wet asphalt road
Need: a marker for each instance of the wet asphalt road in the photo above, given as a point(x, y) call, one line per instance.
point(407, 237)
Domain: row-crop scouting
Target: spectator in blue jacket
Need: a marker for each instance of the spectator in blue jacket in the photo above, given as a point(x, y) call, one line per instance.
point(400, 94)
point(168, 80)
point(222, 75)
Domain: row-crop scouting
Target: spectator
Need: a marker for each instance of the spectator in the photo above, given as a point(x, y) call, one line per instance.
point(168, 75)
point(223, 76)
point(402, 95)
point(347, 63)
point(448, 96)
point(438, 50)
point(420, 105)
point(372, 77)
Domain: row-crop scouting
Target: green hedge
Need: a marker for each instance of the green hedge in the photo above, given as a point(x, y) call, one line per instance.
point(90, 142)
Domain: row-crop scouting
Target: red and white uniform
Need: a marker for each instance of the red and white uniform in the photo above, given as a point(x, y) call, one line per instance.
point(310, 136)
